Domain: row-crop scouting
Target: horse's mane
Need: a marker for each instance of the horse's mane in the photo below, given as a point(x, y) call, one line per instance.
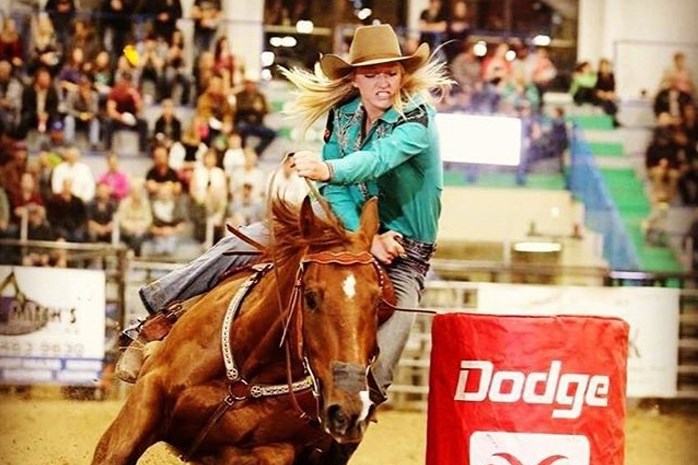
point(287, 237)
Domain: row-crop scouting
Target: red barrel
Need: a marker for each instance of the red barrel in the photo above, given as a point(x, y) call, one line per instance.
point(527, 390)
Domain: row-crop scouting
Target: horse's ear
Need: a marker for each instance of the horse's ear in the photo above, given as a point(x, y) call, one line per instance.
point(369, 218)
point(307, 217)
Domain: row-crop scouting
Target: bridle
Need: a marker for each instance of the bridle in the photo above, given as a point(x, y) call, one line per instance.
point(240, 389)
point(294, 311)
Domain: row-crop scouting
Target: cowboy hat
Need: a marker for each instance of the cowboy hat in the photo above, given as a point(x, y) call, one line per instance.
point(372, 45)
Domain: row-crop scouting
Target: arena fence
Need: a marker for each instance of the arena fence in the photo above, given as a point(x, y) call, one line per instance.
point(662, 309)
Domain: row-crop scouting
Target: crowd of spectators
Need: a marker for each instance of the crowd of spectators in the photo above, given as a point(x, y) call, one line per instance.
point(64, 76)
point(69, 82)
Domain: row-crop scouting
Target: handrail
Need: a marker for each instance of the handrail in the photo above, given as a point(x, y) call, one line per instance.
point(607, 274)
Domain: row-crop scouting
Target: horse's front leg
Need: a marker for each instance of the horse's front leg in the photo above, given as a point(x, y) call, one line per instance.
point(270, 454)
point(135, 427)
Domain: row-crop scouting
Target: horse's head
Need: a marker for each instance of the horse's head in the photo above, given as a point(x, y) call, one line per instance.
point(340, 294)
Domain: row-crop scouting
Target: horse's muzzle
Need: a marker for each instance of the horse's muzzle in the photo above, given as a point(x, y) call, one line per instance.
point(347, 404)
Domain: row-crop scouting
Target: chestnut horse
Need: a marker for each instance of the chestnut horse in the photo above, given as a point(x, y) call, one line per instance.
point(219, 391)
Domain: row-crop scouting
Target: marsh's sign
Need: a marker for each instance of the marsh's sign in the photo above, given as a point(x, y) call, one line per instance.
point(51, 325)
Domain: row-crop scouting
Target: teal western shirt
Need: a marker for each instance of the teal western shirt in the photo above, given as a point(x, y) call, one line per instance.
point(398, 160)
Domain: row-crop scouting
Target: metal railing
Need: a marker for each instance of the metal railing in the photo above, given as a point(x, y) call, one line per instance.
point(125, 274)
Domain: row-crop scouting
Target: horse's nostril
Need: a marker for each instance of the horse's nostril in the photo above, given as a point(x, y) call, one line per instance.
point(337, 419)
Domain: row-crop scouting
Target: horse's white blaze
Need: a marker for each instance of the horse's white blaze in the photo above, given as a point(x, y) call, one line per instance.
point(366, 401)
point(349, 286)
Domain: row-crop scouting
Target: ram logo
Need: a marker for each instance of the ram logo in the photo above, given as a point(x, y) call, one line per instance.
point(503, 448)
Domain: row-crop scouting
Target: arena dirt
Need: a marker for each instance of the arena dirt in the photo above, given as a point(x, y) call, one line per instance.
point(61, 432)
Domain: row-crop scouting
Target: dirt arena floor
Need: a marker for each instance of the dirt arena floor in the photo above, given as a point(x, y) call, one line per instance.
point(47, 431)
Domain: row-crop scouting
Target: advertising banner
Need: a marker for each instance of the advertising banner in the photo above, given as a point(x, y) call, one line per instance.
point(51, 325)
point(526, 390)
point(651, 312)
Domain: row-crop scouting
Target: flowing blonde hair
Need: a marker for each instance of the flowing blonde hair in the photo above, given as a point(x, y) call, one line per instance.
point(317, 94)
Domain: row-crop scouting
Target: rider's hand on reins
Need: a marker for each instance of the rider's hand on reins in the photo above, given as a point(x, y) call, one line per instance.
point(310, 165)
point(386, 247)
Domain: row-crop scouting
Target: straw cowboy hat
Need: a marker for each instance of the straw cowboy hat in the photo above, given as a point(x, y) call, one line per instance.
point(372, 45)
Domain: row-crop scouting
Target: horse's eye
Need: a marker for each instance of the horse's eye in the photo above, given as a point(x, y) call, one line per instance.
point(311, 300)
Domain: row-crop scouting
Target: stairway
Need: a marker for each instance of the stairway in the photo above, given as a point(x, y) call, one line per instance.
point(622, 171)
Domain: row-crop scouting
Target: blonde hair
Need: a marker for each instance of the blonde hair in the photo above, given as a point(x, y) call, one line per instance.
point(317, 94)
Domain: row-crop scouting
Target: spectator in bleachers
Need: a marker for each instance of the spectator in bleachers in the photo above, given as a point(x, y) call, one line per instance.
point(206, 15)
point(62, 13)
point(583, 83)
point(517, 90)
point(39, 104)
point(46, 51)
point(605, 90)
point(124, 106)
point(100, 215)
point(102, 75)
point(234, 157)
point(245, 208)
point(127, 64)
point(39, 229)
point(673, 99)
point(165, 14)
point(205, 69)
point(72, 71)
point(679, 74)
point(663, 161)
point(67, 214)
point(11, 49)
point(543, 72)
point(80, 175)
point(251, 174)
point(466, 68)
point(117, 180)
point(85, 38)
point(176, 72)
point(12, 168)
point(209, 193)
point(152, 52)
point(161, 173)
point(532, 139)
point(225, 63)
point(135, 218)
point(27, 196)
point(169, 219)
point(457, 29)
point(484, 98)
point(10, 100)
point(167, 123)
point(82, 113)
point(186, 152)
point(433, 22)
point(497, 68)
point(116, 22)
point(47, 161)
point(213, 109)
point(251, 108)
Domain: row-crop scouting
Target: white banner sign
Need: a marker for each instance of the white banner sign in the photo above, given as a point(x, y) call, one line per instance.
point(51, 325)
point(652, 313)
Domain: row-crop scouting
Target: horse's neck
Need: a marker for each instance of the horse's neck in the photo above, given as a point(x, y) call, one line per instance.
point(257, 333)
